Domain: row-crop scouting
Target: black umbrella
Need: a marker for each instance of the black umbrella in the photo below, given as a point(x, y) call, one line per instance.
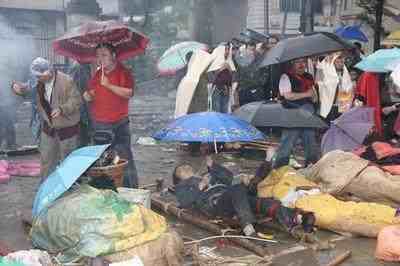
point(304, 46)
point(255, 35)
point(273, 114)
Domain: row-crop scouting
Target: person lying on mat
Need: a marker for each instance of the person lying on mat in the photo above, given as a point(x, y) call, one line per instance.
point(214, 195)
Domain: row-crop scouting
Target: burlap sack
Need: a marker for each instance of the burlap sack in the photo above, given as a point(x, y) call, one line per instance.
point(335, 170)
point(375, 185)
point(165, 251)
point(388, 244)
point(346, 175)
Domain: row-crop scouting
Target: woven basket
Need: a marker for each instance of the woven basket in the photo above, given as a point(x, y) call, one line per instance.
point(116, 172)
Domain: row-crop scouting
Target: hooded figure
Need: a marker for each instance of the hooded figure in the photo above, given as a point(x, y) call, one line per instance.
point(368, 92)
point(191, 91)
point(333, 83)
point(222, 81)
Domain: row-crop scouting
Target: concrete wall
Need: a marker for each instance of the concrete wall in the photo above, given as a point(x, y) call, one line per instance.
point(27, 34)
point(229, 19)
point(52, 5)
point(74, 20)
point(256, 16)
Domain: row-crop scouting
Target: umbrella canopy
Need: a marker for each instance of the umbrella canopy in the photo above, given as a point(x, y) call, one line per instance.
point(255, 35)
point(351, 33)
point(80, 42)
point(272, 114)
point(304, 46)
point(378, 61)
point(396, 75)
point(65, 176)
point(392, 39)
point(209, 127)
point(392, 65)
point(174, 59)
point(349, 130)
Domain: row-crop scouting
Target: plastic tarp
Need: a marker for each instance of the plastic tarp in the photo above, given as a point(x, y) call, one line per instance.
point(359, 218)
point(348, 176)
point(91, 223)
point(65, 175)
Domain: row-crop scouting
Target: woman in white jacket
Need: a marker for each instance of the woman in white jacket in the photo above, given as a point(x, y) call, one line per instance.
point(335, 87)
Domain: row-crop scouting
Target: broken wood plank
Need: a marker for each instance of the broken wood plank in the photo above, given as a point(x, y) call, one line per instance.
point(170, 208)
point(339, 259)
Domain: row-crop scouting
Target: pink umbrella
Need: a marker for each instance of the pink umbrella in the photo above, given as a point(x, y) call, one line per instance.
point(81, 41)
point(348, 132)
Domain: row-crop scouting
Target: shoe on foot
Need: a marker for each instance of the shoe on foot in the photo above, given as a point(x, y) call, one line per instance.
point(249, 230)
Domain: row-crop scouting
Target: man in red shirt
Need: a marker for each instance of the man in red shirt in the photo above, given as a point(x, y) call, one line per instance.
point(109, 92)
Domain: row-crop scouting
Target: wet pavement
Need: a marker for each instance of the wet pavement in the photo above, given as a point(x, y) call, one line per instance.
point(149, 113)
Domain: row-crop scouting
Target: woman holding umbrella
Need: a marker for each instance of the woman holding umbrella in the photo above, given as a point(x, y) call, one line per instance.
point(109, 92)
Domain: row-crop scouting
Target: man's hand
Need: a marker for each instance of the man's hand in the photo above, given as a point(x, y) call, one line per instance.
point(88, 96)
point(18, 88)
point(389, 109)
point(310, 93)
point(358, 103)
point(209, 161)
point(246, 179)
point(105, 82)
point(234, 107)
point(56, 113)
point(205, 181)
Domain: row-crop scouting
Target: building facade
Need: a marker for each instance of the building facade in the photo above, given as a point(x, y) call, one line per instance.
point(282, 17)
point(27, 29)
point(349, 15)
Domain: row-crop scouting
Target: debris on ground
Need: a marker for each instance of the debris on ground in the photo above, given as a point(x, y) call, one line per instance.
point(146, 141)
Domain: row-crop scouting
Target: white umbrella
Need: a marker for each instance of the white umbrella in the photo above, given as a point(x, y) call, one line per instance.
point(392, 65)
point(396, 75)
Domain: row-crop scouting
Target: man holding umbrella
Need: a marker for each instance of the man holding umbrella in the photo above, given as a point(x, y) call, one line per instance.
point(109, 92)
point(296, 88)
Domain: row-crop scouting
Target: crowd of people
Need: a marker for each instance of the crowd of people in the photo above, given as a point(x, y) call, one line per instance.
point(92, 103)
point(69, 111)
point(326, 85)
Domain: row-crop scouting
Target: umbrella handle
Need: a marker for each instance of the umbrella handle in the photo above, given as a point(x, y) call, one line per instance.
point(181, 57)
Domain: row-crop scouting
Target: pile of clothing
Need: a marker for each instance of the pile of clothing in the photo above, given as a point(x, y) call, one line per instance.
point(383, 155)
point(18, 168)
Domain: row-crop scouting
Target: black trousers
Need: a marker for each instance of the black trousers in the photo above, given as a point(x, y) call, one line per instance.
point(235, 201)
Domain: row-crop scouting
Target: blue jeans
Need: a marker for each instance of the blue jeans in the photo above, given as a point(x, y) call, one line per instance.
point(122, 144)
point(220, 101)
point(288, 141)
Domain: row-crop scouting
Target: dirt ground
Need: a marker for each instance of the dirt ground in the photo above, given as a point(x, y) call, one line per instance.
point(158, 161)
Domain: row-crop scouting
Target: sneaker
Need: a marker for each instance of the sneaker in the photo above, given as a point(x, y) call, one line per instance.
point(249, 230)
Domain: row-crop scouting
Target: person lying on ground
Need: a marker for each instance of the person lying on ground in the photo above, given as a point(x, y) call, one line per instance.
point(214, 196)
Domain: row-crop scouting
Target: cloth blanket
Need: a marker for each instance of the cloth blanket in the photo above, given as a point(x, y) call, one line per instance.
point(346, 175)
point(360, 218)
point(18, 168)
point(383, 155)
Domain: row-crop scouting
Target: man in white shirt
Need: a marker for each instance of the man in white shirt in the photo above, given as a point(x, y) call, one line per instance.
point(296, 88)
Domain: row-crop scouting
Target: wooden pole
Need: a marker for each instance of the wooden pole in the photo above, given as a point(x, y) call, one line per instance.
point(171, 208)
point(378, 24)
point(339, 259)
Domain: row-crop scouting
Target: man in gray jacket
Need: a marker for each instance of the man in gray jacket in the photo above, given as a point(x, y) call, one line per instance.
point(59, 102)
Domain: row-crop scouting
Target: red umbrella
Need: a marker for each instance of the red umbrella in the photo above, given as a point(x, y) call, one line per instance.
point(80, 42)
